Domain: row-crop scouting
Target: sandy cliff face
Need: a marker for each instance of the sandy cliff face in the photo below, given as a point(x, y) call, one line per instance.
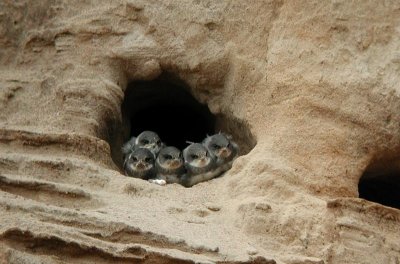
point(313, 86)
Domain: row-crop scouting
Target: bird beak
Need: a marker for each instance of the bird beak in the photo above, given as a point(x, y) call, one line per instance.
point(141, 165)
point(154, 147)
point(224, 152)
point(151, 146)
point(175, 163)
point(203, 161)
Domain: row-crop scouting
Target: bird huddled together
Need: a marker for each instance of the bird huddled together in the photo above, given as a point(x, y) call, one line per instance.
point(146, 157)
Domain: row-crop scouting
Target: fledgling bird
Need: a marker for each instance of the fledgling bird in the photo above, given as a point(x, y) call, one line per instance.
point(149, 140)
point(140, 164)
point(199, 164)
point(223, 148)
point(169, 165)
point(146, 139)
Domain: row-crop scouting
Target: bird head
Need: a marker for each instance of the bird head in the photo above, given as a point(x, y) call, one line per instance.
point(197, 155)
point(149, 140)
point(141, 159)
point(170, 158)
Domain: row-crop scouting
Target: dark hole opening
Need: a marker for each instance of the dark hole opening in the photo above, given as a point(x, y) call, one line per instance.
point(169, 110)
point(381, 187)
point(167, 107)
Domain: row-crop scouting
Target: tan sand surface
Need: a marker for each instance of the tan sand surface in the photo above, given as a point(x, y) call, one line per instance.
point(312, 85)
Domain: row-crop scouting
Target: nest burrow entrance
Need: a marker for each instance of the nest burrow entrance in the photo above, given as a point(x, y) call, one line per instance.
point(169, 109)
point(381, 186)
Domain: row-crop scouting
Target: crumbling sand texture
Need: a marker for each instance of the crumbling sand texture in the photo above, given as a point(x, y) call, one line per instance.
point(316, 83)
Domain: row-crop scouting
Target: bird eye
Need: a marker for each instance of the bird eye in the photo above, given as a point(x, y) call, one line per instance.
point(134, 158)
point(167, 156)
point(148, 159)
point(194, 156)
point(216, 146)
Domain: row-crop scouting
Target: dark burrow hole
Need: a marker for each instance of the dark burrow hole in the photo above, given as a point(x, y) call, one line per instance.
point(381, 186)
point(166, 106)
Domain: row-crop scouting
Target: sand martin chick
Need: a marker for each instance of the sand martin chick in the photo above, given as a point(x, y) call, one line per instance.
point(140, 164)
point(199, 164)
point(149, 140)
point(170, 165)
point(223, 149)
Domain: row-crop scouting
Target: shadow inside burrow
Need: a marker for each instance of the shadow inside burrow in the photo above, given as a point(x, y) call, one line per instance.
point(381, 186)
